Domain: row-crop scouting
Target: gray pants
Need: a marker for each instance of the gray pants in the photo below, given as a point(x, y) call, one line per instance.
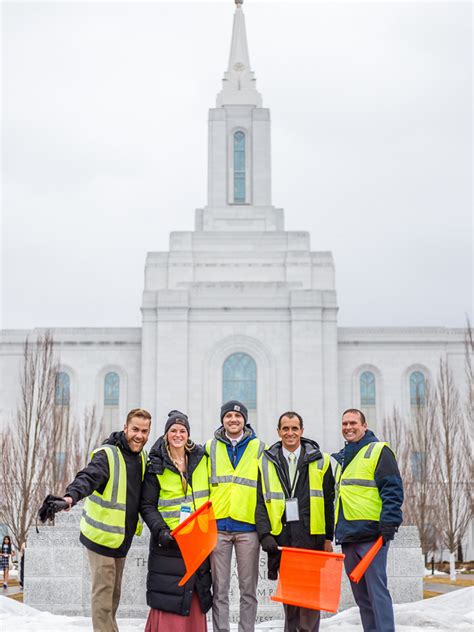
point(247, 547)
point(106, 577)
point(301, 619)
point(371, 593)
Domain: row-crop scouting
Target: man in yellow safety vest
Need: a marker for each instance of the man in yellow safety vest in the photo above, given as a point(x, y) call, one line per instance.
point(369, 497)
point(111, 484)
point(233, 454)
point(295, 505)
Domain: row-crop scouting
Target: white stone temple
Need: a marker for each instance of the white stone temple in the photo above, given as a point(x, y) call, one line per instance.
point(240, 308)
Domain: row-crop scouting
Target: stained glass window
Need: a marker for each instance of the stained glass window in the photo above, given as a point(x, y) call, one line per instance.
point(367, 389)
point(62, 390)
point(240, 380)
point(111, 389)
point(417, 389)
point(239, 167)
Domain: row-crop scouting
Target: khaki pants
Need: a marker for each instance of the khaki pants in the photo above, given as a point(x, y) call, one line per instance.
point(247, 549)
point(106, 577)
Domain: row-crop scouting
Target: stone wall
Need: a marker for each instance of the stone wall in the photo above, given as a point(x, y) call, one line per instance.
point(57, 573)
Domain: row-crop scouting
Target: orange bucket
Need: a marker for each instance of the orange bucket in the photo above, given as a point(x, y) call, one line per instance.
point(310, 579)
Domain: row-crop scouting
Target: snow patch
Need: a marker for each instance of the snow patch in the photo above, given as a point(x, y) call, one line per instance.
point(452, 612)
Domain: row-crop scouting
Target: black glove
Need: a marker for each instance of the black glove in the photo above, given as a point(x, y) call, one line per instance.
point(165, 538)
point(387, 531)
point(269, 544)
point(51, 505)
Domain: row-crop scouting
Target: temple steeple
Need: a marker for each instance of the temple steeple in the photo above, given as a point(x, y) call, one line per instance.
point(239, 84)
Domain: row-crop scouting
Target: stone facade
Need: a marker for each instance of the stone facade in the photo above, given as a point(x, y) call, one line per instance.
point(57, 573)
point(240, 283)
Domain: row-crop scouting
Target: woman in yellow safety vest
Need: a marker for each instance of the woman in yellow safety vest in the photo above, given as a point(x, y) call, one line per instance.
point(176, 484)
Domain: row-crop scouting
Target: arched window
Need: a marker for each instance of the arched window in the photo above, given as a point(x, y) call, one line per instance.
point(239, 168)
point(239, 380)
point(111, 401)
point(62, 390)
point(367, 397)
point(111, 389)
point(367, 389)
point(417, 388)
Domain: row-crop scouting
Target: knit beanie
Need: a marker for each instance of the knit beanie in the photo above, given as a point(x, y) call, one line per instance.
point(234, 405)
point(177, 417)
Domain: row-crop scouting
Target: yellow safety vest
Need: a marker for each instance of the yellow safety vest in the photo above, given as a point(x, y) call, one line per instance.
point(172, 497)
point(274, 495)
point(234, 492)
point(356, 487)
point(103, 516)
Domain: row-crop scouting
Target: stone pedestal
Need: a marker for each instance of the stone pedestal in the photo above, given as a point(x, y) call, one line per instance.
point(57, 573)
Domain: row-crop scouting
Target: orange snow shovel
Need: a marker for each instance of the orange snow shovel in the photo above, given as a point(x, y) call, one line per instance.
point(358, 571)
point(309, 579)
point(196, 537)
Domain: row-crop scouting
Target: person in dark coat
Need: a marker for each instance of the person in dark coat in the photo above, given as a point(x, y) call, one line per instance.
point(177, 470)
point(111, 484)
point(289, 462)
point(368, 504)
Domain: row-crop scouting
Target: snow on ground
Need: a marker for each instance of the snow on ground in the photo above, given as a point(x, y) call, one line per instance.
point(452, 612)
point(440, 573)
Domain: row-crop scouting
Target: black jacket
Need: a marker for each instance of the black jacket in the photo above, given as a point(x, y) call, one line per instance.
point(94, 477)
point(389, 483)
point(165, 565)
point(296, 534)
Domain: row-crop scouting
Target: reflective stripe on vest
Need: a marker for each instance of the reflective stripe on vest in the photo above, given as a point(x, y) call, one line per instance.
point(234, 492)
point(274, 495)
point(172, 498)
point(103, 517)
point(356, 487)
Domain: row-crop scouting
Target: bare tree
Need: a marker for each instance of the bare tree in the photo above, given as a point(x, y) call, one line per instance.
point(422, 506)
point(453, 463)
point(26, 443)
point(469, 368)
point(87, 437)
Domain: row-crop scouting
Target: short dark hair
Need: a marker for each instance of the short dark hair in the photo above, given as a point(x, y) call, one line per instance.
point(290, 414)
point(358, 412)
point(138, 412)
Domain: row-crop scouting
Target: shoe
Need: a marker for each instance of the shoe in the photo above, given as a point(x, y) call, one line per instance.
point(5, 586)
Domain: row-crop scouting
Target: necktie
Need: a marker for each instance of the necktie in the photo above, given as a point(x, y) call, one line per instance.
point(292, 467)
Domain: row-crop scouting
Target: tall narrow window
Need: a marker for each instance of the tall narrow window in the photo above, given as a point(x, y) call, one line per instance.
point(239, 381)
point(367, 397)
point(239, 168)
point(111, 401)
point(417, 389)
point(62, 390)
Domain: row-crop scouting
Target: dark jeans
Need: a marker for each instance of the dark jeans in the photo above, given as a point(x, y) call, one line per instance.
point(301, 619)
point(371, 593)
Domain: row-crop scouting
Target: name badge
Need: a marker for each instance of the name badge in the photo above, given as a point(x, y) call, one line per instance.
point(184, 513)
point(292, 510)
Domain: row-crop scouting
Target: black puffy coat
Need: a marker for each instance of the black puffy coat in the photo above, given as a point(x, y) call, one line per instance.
point(165, 564)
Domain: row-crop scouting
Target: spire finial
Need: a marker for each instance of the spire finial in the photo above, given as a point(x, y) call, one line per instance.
point(239, 81)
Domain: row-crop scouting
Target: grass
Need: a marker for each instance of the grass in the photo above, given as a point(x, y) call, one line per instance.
point(462, 582)
point(428, 594)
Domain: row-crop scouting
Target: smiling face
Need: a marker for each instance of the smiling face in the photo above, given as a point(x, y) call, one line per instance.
point(290, 432)
point(177, 436)
point(353, 427)
point(137, 431)
point(234, 423)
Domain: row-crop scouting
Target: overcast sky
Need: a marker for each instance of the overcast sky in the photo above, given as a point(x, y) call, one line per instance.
point(105, 148)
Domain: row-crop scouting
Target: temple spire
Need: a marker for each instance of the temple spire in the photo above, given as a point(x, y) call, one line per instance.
point(239, 85)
